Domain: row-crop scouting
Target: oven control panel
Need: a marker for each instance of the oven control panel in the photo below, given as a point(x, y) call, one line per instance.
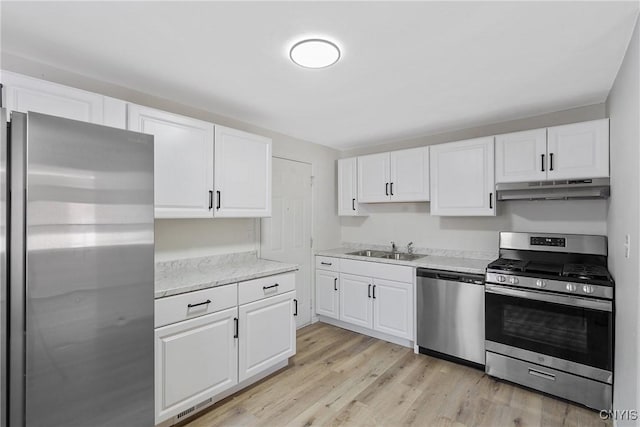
point(548, 241)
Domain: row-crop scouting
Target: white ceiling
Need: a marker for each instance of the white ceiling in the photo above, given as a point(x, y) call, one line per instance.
point(407, 69)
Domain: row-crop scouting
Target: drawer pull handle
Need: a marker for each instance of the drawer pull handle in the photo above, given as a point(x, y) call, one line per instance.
point(325, 263)
point(198, 304)
point(369, 291)
point(236, 327)
point(270, 287)
point(335, 284)
point(295, 301)
point(374, 291)
point(543, 375)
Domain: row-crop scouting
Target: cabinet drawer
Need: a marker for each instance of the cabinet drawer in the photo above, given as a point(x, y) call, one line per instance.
point(327, 263)
point(591, 393)
point(399, 273)
point(187, 306)
point(257, 289)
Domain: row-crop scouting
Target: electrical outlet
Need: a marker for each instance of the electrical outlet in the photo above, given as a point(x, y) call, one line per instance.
point(627, 245)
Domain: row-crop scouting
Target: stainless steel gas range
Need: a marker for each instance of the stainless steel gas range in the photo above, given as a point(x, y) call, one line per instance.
point(549, 316)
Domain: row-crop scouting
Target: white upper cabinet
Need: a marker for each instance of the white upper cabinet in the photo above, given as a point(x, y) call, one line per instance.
point(409, 175)
point(575, 151)
point(183, 161)
point(462, 178)
point(521, 156)
point(242, 174)
point(25, 94)
point(397, 176)
point(373, 178)
point(579, 150)
point(348, 187)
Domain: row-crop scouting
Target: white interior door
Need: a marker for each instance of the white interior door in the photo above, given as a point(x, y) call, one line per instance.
point(286, 235)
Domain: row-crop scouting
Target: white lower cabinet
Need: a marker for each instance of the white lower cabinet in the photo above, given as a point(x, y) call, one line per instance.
point(211, 343)
point(393, 308)
point(267, 334)
point(355, 300)
point(327, 293)
point(370, 295)
point(195, 360)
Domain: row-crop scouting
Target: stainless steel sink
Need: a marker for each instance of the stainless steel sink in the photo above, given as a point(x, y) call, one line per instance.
point(369, 253)
point(403, 256)
point(387, 255)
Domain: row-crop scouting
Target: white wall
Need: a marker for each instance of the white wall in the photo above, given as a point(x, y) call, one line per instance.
point(187, 238)
point(407, 222)
point(199, 237)
point(411, 221)
point(624, 217)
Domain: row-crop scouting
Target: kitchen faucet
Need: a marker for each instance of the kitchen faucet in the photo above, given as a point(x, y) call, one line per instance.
point(394, 248)
point(410, 248)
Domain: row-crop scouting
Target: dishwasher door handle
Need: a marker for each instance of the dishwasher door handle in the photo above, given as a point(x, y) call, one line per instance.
point(451, 277)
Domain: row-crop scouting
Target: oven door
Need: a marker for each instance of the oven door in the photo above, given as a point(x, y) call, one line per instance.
point(555, 330)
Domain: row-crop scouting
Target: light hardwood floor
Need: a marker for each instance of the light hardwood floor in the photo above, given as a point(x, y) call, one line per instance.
point(339, 377)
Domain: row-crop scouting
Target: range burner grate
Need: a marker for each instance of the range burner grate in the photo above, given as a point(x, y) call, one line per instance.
point(586, 271)
point(507, 264)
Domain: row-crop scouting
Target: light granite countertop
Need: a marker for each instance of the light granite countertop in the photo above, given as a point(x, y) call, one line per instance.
point(460, 261)
point(193, 274)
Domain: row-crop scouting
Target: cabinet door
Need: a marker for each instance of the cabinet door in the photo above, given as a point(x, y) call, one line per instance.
point(267, 333)
point(521, 156)
point(28, 94)
point(393, 308)
point(579, 150)
point(327, 293)
point(183, 161)
point(348, 187)
point(409, 175)
point(462, 178)
point(373, 178)
point(355, 300)
point(195, 360)
point(242, 174)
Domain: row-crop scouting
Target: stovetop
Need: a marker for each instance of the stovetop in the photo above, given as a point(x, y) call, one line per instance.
point(570, 271)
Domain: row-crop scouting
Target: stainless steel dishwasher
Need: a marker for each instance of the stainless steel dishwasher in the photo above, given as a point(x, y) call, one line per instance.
point(451, 315)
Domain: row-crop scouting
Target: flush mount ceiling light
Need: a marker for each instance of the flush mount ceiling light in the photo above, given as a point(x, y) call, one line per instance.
point(314, 53)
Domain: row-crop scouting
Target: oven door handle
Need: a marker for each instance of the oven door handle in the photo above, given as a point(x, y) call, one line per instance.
point(548, 297)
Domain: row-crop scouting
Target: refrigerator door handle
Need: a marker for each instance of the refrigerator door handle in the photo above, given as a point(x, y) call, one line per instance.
point(17, 263)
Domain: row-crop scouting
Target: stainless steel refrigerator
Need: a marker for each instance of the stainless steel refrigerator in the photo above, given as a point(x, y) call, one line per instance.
point(80, 274)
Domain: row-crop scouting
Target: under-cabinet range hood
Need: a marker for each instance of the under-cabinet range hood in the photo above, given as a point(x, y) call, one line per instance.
point(596, 188)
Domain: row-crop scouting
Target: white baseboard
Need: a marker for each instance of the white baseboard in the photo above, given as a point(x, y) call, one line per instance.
point(366, 331)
